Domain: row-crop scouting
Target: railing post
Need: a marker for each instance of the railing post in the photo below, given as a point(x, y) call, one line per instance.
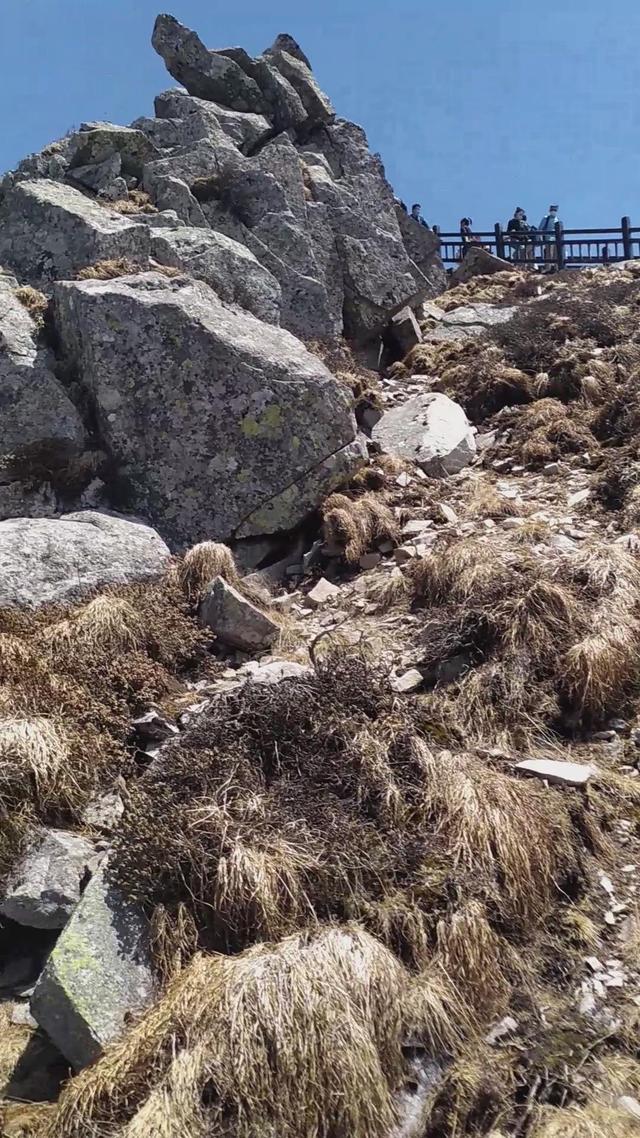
point(497, 229)
point(559, 244)
point(626, 238)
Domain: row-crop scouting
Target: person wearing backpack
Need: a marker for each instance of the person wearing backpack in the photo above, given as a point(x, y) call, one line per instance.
point(547, 231)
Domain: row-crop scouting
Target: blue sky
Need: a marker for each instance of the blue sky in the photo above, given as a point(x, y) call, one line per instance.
point(475, 105)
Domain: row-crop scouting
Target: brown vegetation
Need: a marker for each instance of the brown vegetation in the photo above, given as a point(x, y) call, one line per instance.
point(357, 524)
point(35, 302)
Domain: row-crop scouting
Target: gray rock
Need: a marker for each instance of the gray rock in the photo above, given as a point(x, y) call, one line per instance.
point(423, 248)
point(469, 321)
point(300, 498)
point(49, 231)
point(281, 159)
point(98, 975)
point(300, 76)
point(38, 420)
point(377, 282)
point(235, 620)
point(243, 128)
point(207, 158)
point(321, 593)
point(478, 262)
point(405, 330)
point(285, 107)
point(408, 681)
point(275, 671)
point(104, 812)
point(101, 177)
point(429, 429)
point(46, 560)
point(211, 415)
point(204, 73)
point(44, 887)
point(97, 142)
point(174, 194)
point(230, 268)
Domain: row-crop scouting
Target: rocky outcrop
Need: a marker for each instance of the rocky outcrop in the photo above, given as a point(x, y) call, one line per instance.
point(244, 180)
point(49, 231)
point(98, 975)
point(50, 560)
point(431, 430)
point(479, 262)
point(235, 412)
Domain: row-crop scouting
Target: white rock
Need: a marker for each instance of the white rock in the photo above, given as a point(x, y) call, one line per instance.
point(431, 430)
point(629, 1104)
point(370, 560)
point(571, 774)
point(321, 592)
point(506, 1027)
point(579, 497)
point(416, 527)
point(409, 681)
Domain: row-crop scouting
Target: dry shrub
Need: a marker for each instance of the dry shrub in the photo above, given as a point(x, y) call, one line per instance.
point(497, 288)
point(485, 501)
point(201, 564)
point(355, 525)
point(35, 302)
point(546, 431)
point(71, 678)
point(618, 477)
point(294, 1039)
point(473, 372)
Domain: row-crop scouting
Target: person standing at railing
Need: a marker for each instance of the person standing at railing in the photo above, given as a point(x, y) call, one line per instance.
point(416, 213)
point(547, 230)
point(517, 229)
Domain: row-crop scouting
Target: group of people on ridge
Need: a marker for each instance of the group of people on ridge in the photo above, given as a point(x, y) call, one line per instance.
point(522, 238)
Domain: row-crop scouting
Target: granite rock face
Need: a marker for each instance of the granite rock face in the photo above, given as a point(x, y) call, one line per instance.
point(208, 413)
point(56, 560)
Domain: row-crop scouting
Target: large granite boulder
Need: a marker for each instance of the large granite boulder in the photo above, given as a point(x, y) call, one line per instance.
point(285, 107)
point(243, 128)
point(37, 418)
point(234, 619)
point(207, 413)
point(431, 430)
point(204, 73)
point(297, 71)
point(479, 261)
point(229, 267)
point(46, 884)
point(98, 975)
point(57, 560)
point(50, 231)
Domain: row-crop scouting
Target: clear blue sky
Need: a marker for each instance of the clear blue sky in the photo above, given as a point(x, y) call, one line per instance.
point(475, 105)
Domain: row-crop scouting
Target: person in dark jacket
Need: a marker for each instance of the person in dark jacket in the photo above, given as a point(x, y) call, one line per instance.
point(416, 213)
point(517, 232)
point(468, 237)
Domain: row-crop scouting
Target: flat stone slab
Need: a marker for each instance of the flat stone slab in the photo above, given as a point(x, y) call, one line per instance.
point(570, 774)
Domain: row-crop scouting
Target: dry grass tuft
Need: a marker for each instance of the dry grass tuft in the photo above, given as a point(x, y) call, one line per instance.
point(356, 524)
point(201, 564)
point(596, 1120)
point(34, 759)
point(35, 302)
point(202, 1062)
point(109, 270)
point(137, 201)
point(106, 624)
point(483, 500)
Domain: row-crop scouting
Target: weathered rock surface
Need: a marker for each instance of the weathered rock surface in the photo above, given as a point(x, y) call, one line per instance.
point(208, 413)
point(469, 321)
point(245, 129)
point(204, 73)
point(423, 247)
point(98, 142)
point(429, 429)
point(45, 886)
point(229, 267)
point(234, 619)
point(47, 560)
point(98, 974)
point(49, 231)
point(479, 262)
point(36, 414)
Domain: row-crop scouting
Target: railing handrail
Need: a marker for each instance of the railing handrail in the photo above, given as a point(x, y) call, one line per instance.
point(535, 246)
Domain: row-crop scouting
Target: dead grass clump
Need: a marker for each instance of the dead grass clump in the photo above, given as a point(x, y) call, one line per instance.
point(485, 501)
point(109, 270)
point(35, 302)
point(618, 477)
point(538, 640)
point(595, 1120)
point(494, 289)
point(333, 1006)
point(485, 969)
point(107, 624)
point(355, 525)
point(34, 761)
point(201, 564)
point(137, 201)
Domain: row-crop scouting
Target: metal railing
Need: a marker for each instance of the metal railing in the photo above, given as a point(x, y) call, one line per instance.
point(567, 248)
